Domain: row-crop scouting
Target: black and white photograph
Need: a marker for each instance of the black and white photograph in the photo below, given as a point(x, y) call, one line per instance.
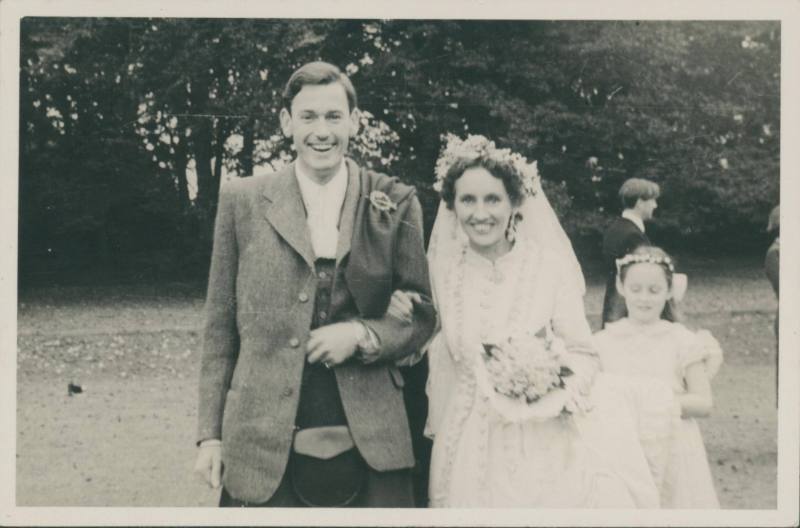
point(446, 265)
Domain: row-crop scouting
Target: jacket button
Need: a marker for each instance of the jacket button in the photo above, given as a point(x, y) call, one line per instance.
point(303, 297)
point(287, 391)
point(323, 315)
point(294, 342)
point(323, 275)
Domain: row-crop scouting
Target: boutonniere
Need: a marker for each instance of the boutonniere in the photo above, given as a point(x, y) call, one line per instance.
point(381, 201)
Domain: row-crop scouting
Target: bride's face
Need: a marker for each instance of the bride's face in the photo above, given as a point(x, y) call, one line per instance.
point(483, 208)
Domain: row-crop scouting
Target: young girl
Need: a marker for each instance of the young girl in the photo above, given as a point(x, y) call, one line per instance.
point(648, 344)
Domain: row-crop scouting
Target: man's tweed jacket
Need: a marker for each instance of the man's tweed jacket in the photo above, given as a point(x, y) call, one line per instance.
point(259, 310)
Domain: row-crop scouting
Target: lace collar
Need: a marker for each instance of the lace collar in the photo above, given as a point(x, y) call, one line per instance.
point(479, 261)
point(626, 328)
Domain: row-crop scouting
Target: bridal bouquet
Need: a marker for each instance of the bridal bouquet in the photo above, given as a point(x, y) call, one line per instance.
point(524, 376)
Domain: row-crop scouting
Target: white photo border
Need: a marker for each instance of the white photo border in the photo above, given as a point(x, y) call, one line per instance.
point(785, 11)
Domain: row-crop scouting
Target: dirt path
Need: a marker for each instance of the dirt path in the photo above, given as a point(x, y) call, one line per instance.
point(127, 438)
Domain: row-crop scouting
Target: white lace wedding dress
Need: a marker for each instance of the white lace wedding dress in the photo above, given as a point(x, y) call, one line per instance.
point(479, 459)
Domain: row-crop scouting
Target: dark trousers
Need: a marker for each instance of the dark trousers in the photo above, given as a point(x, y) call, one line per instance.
point(417, 409)
point(383, 489)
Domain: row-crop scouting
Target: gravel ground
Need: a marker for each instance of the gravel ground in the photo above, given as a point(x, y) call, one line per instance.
point(127, 438)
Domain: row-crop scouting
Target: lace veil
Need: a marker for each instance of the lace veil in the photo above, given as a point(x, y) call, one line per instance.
point(540, 228)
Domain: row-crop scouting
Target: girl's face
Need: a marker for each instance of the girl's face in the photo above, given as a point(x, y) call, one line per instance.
point(646, 291)
point(483, 208)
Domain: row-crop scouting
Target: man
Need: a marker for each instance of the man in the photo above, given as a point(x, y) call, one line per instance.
point(300, 400)
point(772, 262)
point(624, 234)
point(772, 259)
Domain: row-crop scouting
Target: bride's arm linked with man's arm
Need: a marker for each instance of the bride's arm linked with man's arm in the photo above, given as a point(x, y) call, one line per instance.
point(570, 324)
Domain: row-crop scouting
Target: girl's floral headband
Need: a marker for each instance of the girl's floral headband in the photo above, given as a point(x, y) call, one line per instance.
point(636, 258)
point(476, 146)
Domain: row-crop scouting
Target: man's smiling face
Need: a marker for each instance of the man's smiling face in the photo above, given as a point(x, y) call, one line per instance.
point(320, 124)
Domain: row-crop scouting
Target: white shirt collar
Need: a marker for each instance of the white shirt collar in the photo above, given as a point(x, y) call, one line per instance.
point(323, 208)
point(308, 185)
point(633, 217)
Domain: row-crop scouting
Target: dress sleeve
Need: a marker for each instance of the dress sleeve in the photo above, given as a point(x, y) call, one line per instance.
point(569, 323)
point(442, 380)
point(569, 317)
point(707, 347)
point(697, 347)
point(600, 343)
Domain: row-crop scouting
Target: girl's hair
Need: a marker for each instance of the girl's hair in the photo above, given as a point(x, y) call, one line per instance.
point(652, 255)
point(505, 171)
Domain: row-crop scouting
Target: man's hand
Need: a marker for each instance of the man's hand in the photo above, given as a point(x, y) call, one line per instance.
point(401, 305)
point(333, 344)
point(209, 462)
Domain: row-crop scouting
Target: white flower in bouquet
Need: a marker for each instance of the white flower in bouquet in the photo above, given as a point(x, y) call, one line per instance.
point(526, 368)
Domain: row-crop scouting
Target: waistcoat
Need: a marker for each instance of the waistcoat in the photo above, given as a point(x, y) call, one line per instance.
point(320, 403)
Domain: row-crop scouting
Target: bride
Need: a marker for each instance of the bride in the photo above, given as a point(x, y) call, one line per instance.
point(505, 278)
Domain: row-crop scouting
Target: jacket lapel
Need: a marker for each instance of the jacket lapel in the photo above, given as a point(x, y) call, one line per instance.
point(347, 218)
point(285, 211)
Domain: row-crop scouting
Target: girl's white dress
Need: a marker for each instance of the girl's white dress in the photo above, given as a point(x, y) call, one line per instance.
point(480, 459)
point(659, 353)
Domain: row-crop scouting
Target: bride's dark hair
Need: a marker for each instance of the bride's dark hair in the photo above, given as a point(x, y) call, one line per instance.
point(502, 170)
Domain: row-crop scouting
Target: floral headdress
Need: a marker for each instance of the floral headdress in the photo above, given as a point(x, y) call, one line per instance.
point(636, 258)
point(477, 146)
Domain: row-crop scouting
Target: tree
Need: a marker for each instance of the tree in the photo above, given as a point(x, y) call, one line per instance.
point(599, 102)
point(129, 125)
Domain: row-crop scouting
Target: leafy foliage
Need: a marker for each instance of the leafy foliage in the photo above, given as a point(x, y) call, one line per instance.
point(128, 126)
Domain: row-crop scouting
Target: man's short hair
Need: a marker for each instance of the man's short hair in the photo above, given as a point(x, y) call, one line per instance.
point(317, 73)
point(635, 189)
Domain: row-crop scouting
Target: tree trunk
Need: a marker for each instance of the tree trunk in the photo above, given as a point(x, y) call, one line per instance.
point(181, 160)
point(201, 142)
point(221, 134)
point(248, 148)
